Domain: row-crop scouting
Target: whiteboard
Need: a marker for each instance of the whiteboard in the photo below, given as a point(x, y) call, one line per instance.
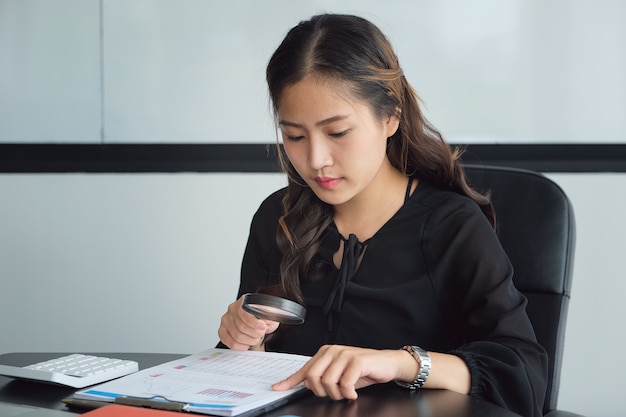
point(192, 71)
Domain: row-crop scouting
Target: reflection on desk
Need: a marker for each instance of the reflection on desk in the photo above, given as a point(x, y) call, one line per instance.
point(390, 400)
point(375, 401)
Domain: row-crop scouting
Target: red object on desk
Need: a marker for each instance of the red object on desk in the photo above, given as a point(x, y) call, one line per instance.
point(118, 410)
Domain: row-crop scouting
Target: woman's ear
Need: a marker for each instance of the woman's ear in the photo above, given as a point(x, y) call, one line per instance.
point(392, 124)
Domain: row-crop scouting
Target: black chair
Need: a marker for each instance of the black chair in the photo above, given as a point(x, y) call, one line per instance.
point(536, 227)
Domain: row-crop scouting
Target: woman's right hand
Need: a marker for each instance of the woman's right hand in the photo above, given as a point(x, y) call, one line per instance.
point(240, 330)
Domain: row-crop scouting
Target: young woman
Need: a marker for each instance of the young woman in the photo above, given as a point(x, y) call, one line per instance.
point(379, 236)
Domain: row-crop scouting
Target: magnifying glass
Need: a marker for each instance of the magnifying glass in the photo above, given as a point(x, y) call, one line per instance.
point(270, 307)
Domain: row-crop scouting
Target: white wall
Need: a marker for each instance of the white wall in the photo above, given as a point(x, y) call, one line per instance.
point(594, 333)
point(149, 262)
point(121, 262)
point(145, 71)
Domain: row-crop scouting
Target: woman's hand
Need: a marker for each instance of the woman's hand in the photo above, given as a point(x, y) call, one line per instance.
point(338, 371)
point(240, 330)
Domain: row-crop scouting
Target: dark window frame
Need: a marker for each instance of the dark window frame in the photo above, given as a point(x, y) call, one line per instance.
point(155, 158)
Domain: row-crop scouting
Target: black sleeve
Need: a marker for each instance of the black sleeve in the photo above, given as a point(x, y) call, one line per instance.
point(261, 258)
point(469, 267)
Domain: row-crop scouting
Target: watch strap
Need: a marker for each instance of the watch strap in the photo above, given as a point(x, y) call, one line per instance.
point(423, 359)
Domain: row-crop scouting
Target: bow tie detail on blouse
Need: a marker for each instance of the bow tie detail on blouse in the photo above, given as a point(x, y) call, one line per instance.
point(352, 251)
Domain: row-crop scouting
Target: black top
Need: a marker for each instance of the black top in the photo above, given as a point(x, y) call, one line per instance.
point(435, 275)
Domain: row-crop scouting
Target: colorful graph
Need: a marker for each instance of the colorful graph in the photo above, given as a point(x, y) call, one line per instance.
point(224, 394)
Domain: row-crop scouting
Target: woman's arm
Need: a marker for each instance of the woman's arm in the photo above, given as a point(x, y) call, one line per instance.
point(506, 364)
point(239, 329)
point(338, 371)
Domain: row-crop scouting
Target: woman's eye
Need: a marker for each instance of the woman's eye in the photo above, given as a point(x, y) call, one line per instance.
point(294, 138)
point(339, 134)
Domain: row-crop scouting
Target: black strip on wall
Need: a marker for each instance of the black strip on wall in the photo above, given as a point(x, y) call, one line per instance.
point(37, 158)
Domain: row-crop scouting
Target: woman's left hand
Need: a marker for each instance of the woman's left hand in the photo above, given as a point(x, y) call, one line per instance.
point(338, 371)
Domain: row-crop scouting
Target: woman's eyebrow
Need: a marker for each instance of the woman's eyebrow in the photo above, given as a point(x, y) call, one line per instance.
point(320, 123)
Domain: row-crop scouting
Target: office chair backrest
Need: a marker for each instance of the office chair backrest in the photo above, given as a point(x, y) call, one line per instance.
point(536, 226)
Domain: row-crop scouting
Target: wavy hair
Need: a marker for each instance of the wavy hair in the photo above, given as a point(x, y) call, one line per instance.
point(354, 52)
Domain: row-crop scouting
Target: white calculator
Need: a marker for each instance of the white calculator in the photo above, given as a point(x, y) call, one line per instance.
point(75, 370)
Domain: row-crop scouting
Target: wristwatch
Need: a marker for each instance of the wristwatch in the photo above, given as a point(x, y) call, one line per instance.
point(423, 359)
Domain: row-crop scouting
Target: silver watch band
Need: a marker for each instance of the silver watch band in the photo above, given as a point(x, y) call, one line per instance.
point(423, 359)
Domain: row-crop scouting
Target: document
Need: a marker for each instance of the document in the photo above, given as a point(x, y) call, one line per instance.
point(220, 382)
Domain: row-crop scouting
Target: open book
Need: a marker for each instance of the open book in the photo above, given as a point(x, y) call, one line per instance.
point(217, 381)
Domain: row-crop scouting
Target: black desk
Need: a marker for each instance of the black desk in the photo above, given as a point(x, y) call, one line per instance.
point(375, 401)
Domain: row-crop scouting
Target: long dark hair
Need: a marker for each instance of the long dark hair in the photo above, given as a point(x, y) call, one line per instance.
point(352, 50)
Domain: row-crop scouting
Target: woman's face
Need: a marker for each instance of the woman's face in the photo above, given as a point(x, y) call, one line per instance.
point(334, 142)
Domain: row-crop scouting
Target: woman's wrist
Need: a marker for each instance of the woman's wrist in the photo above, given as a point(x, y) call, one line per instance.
point(422, 359)
point(449, 372)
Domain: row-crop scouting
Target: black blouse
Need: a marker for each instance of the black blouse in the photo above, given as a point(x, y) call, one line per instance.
point(435, 275)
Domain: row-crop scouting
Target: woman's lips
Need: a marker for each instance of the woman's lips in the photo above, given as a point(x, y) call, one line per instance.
point(327, 182)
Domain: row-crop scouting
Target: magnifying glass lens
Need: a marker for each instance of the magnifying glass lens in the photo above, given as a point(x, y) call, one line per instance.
point(270, 307)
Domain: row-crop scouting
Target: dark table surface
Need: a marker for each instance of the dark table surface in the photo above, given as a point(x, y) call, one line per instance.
point(386, 400)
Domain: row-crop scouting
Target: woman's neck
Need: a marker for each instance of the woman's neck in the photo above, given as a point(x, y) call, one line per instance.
point(365, 214)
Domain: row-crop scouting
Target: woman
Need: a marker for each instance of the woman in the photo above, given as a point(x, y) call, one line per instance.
point(379, 235)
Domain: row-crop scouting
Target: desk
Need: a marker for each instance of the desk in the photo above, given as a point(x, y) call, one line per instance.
point(375, 401)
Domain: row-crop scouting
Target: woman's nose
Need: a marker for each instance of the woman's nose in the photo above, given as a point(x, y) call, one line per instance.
point(319, 153)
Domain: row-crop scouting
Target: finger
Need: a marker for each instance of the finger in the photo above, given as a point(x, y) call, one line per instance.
point(247, 323)
point(348, 381)
point(246, 329)
point(340, 378)
point(271, 326)
point(244, 335)
point(252, 325)
point(226, 339)
point(236, 334)
point(314, 371)
point(235, 341)
point(290, 382)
